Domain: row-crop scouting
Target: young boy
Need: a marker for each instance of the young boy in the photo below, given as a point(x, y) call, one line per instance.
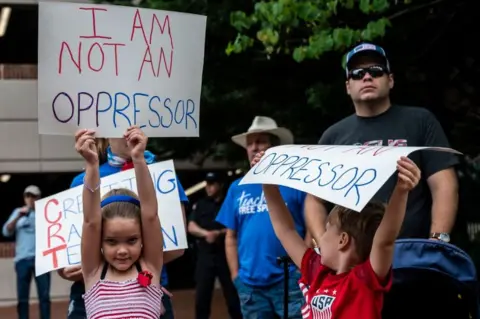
point(353, 272)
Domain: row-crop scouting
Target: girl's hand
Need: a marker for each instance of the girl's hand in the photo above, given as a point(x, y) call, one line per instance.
point(257, 158)
point(136, 142)
point(408, 174)
point(85, 145)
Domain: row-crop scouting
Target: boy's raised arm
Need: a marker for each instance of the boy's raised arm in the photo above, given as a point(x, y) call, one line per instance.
point(381, 256)
point(284, 225)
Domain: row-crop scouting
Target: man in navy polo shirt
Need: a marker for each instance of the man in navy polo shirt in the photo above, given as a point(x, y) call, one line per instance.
point(251, 245)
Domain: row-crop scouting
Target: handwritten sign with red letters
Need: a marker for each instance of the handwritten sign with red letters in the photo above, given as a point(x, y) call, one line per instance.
point(107, 67)
point(59, 218)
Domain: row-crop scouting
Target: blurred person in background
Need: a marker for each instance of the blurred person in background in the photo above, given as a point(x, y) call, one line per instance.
point(211, 261)
point(21, 223)
point(114, 155)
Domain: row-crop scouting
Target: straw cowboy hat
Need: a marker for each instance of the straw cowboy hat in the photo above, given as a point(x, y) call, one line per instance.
point(263, 124)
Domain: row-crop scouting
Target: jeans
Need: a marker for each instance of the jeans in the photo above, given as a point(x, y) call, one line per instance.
point(25, 269)
point(268, 302)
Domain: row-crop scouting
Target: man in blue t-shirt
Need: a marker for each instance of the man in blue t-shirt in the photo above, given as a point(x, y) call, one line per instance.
point(251, 246)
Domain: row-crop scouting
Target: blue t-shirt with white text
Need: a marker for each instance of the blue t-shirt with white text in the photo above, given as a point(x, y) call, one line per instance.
point(245, 211)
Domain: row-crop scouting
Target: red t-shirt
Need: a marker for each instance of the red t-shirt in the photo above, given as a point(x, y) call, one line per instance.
point(357, 294)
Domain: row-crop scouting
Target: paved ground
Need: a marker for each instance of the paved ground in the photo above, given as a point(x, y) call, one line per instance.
point(183, 302)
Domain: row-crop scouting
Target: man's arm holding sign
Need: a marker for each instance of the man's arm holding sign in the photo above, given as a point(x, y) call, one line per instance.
point(92, 217)
point(381, 255)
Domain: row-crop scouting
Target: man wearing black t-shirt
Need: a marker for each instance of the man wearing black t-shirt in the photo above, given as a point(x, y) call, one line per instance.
point(432, 205)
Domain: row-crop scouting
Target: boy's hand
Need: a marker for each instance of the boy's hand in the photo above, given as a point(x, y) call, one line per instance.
point(408, 174)
point(136, 141)
point(85, 145)
point(257, 158)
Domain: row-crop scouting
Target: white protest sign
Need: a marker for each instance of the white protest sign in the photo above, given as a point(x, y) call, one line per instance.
point(108, 67)
point(59, 218)
point(345, 175)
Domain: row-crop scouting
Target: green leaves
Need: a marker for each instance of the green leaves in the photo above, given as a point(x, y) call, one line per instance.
point(308, 29)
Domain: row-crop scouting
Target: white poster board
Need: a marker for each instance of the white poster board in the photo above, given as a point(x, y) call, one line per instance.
point(59, 218)
point(345, 175)
point(108, 67)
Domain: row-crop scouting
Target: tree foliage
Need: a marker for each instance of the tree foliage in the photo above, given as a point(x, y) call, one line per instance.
point(434, 66)
point(308, 29)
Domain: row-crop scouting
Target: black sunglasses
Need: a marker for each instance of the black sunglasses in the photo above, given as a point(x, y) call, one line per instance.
point(375, 71)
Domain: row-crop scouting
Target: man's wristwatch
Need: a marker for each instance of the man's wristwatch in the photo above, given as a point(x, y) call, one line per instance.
point(445, 237)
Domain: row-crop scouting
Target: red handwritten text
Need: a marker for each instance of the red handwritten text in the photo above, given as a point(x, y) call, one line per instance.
point(95, 52)
point(373, 150)
point(159, 52)
point(53, 232)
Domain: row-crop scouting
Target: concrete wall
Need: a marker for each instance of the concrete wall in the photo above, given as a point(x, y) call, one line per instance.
point(23, 149)
point(60, 288)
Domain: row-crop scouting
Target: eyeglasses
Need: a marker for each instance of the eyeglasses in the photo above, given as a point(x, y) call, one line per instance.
point(375, 71)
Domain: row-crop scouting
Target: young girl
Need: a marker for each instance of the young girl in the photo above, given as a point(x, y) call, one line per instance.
point(350, 277)
point(114, 157)
point(122, 255)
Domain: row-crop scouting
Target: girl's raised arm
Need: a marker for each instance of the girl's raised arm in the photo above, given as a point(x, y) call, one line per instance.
point(151, 229)
point(92, 216)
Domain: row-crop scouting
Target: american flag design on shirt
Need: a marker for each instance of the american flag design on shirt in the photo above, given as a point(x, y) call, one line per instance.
point(318, 307)
point(123, 300)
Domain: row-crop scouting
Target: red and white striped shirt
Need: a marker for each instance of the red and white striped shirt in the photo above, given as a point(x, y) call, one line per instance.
point(123, 300)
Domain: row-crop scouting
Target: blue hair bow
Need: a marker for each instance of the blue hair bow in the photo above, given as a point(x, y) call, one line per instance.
point(119, 198)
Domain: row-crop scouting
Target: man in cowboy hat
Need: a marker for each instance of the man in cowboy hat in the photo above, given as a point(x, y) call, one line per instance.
point(251, 246)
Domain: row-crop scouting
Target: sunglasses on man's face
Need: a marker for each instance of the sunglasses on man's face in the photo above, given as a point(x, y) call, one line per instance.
point(375, 71)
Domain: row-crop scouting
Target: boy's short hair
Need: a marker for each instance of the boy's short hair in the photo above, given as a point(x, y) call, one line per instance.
point(360, 226)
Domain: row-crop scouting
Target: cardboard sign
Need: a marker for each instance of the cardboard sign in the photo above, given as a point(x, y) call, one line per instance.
point(109, 67)
point(345, 175)
point(59, 218)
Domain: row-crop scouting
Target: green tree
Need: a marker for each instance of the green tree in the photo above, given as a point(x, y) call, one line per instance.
point(434, 66)
point(309, 29)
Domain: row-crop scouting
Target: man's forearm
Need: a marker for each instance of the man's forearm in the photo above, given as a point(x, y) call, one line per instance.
point(171, 255)
point(444, 212)
point(231, 253)
point(11, 226)
point(444, 188)
point(196, 230)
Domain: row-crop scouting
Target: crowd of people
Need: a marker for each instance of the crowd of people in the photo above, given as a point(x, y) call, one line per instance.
point(341, 259)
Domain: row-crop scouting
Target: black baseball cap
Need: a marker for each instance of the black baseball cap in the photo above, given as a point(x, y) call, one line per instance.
point(367, 48)
point(212, 177)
